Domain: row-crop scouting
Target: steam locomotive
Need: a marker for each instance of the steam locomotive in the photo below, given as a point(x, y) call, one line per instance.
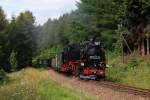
point(85, 60)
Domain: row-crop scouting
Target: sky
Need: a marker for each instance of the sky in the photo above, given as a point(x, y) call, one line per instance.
point(42, 9)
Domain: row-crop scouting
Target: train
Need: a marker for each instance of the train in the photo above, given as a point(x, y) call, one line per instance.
point(85, 60)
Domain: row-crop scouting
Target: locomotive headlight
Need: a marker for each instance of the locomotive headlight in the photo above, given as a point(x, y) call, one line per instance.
point(82, 64)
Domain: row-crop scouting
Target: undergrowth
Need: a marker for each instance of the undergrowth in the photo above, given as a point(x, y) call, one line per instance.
point(3, 77)
point(135, 73)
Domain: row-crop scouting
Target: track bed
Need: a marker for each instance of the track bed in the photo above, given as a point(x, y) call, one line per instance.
point(103, 90)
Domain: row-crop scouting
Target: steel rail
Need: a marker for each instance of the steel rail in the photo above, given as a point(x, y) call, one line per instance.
point(119, 87)
point(125, 88)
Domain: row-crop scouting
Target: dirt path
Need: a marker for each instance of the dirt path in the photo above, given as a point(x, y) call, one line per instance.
point(91, 89)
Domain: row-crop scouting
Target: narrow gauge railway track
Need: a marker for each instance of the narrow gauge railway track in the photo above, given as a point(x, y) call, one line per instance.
point(125, 88)
point(116, 86)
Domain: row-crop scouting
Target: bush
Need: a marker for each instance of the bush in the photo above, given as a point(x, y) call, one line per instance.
point(117, 72)
point(13, 60)
point(133, 62)
point(3, 77)
point(134, 73)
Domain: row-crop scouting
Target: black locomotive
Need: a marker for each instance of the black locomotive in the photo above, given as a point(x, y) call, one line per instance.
point(85, 59)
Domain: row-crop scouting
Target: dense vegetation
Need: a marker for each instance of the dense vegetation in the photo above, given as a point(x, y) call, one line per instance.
point(16, 41)
point(3, 77)
point(108, 19)
point(134, 73)
point(21, 40)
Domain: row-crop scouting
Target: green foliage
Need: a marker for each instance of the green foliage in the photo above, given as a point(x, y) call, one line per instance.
point(4, 44)
point(138, 17)
point(96, 17)
point(3, 77)
point(147, 31)
point(133, 62)
point(16, 36)
point(117, 72)
point(93, 17)
point(138, 77)
point(23, 39)
point(51, 90)
point(62, 31)
point(20, 40)
point(47, 53)
point(3, 21)
point(13, 60)
point(48, 34)
point(102, 20)
point(134, 73)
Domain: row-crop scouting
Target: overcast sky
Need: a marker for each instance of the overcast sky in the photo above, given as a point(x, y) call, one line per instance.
point(42, 9)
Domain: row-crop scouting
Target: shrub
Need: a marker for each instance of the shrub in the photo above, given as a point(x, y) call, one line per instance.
point(133, 62)
point(117, 72)
point(13, 60)
point(3, 77)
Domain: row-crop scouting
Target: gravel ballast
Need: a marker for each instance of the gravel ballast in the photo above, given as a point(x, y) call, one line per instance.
point(89, 88)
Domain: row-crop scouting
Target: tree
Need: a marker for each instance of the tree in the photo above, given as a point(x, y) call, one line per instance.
point(21, 38)
point(4, 44)
point(74, 30)
point(147, 32)
point(101, 16)
point(138, 19)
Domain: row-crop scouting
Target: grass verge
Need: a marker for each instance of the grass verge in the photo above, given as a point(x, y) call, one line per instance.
point(35, 84)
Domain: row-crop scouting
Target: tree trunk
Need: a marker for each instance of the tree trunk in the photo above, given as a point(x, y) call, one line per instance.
point(148, 46)
point(142, 48)
point(122, 52)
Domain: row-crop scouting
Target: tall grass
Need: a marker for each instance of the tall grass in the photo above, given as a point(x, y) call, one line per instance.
point(51, 90)
point(22, 85)
point(135, 73)
point(35, 84)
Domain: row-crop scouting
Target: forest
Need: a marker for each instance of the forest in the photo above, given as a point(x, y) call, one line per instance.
point(119, 24)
